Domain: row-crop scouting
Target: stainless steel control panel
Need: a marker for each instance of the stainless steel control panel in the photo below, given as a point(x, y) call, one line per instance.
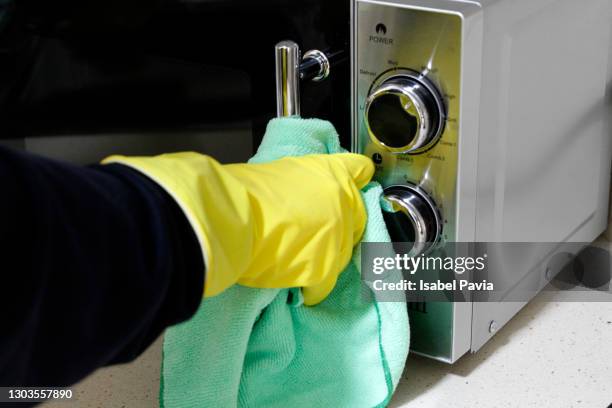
point(407, 73)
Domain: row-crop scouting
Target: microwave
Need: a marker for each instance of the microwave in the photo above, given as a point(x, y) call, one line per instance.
point(488, 122)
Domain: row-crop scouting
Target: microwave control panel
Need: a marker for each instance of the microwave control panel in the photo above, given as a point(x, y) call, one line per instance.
point(406, 116)
point(406, 112)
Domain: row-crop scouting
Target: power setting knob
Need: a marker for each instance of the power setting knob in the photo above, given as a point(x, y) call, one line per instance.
point(405, 113)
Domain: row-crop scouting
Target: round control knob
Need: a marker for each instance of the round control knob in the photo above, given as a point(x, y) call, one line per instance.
point(405, 113)
point(411, 217)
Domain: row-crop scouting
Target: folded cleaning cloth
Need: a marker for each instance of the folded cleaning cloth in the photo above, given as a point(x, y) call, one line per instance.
point(262, 348)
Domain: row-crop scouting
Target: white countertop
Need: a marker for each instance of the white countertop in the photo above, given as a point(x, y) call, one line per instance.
point(552, 354)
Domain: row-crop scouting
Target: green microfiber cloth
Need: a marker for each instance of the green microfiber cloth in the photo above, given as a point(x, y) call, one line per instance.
point(263, 348)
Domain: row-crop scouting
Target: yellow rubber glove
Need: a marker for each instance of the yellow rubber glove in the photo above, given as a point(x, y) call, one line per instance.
point(288, 223)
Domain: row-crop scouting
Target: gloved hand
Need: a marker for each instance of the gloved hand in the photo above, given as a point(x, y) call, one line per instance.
point(288, 223)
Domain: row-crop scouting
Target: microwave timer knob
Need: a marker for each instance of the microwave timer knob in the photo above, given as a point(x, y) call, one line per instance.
point(412, 217)
point(405, 113)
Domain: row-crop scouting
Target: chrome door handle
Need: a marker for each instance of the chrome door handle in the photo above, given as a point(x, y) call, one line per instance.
point(287, 79)
point(291, 68)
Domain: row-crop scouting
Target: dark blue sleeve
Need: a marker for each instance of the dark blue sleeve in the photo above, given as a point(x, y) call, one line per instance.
point(94, 263)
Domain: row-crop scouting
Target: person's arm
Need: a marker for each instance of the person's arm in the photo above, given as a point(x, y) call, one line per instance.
point(95, 263)
point(98, 261)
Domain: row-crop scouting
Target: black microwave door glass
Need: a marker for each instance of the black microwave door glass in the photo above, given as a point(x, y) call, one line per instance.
point(97, 66)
